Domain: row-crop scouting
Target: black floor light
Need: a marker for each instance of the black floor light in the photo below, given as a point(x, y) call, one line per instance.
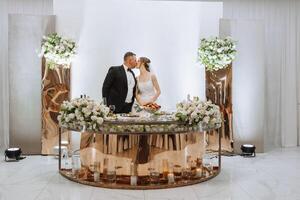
point(13, 154)
point(248, 150)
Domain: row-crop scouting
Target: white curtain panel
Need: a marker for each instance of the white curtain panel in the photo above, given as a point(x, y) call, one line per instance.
point(4, 95)
point(282, 53)
point(34, 7)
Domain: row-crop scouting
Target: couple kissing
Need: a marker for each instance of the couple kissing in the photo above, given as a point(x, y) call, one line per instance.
point(122, 89)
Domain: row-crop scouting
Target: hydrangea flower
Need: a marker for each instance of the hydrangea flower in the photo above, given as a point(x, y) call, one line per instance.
point(216, 53)
point(58, 51)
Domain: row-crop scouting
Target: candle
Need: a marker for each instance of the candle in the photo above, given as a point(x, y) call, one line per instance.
point(198, 172)
point(133, 172)
point(133, 180)
point(165, 166)
point(171, 178)
point(96, 176)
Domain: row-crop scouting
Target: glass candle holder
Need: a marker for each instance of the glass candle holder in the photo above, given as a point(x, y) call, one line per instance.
point(111, 171)
point(67, 161)
point(165, 167)
point(193, 165)
point(199, 162)
point(76, 165)
point(171, 178)
point(154, 174)
point(186, 173)
point(177, 170)
point(97, 169)
point(207, 165)
point(198, 172)
point(105, 169)
point(133, 174)
point(215, 163)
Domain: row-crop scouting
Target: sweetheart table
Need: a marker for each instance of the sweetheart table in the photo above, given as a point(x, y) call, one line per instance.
point(149, 152)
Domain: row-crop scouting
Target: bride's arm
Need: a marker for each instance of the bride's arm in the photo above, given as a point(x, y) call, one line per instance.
point(156, 86)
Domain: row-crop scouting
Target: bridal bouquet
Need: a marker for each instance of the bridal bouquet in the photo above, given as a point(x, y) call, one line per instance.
point(194, 112)
point(216, 53)
point(57, 50)
point(82, 112)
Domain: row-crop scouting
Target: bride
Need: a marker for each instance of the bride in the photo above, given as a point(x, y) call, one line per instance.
point(148, 89)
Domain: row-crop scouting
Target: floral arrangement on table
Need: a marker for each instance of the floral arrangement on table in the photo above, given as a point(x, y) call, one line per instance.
point(82, 112)
point(195, 111)
point(57, 50)
point(86, 114)
point(217, 53)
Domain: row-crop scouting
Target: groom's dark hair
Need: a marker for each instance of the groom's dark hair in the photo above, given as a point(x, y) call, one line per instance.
point(128, 54)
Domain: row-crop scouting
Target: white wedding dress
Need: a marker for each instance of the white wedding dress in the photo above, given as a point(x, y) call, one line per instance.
point(146, 91)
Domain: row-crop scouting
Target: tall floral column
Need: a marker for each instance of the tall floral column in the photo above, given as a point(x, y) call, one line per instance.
point(57, 54)
point(217, 55)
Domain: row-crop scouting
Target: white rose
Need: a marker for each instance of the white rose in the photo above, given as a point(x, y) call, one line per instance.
point(100, 120)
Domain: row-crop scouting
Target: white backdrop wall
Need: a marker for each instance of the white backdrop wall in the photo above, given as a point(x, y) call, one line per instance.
point(34, 7)
point(166, 32)
point(282, 56)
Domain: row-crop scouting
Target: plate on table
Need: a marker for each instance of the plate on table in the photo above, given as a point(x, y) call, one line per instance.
point(129, 115)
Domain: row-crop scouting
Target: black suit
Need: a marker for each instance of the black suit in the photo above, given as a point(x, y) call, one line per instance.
point(115, 89)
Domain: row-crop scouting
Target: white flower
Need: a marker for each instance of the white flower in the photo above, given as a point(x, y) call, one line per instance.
point(216, 53)
point(196, 111)
point(57, 50)
point(71, 116)
point(206, 119)
point(82, 112)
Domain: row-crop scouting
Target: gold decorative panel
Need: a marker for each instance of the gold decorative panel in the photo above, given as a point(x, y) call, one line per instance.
point(219, 91)
point(55, 90)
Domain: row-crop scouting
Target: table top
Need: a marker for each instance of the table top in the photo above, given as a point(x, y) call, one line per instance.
point(124, 124)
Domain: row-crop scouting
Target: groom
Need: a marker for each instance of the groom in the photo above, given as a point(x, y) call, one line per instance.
point(120, 84)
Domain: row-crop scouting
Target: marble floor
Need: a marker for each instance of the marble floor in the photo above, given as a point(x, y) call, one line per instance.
point(274, 175)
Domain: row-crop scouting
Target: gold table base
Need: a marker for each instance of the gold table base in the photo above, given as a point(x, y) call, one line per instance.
point(135, 154)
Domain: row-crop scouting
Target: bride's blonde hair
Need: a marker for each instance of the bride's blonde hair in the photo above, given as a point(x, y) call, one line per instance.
point(146, 62)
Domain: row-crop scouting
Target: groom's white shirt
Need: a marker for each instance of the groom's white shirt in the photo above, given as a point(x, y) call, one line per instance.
point(130, 84)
